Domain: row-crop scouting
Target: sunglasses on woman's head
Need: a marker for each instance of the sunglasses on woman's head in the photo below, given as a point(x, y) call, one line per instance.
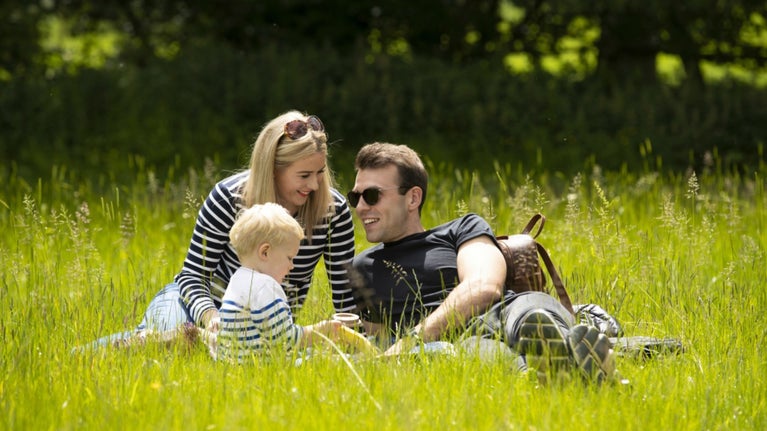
point(298, 128)
point(371, 195)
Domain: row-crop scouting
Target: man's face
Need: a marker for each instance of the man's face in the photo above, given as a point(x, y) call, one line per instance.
point(387, 219)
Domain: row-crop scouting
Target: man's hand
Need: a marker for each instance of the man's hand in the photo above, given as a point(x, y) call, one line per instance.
point(403, 345)
point(397, 348)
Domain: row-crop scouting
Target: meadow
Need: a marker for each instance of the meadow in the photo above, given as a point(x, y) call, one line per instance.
point(677, 255)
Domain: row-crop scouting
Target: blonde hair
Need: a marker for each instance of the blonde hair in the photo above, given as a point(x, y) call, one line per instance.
point(273, 150)
point(263, 223)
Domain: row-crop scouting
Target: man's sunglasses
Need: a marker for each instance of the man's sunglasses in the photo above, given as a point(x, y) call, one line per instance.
point(371, 195)
point(298, 128)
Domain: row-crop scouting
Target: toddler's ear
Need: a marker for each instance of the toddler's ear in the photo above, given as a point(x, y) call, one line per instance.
point(263, 250)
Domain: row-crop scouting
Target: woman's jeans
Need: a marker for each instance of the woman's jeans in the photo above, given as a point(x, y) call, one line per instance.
point(166, 311)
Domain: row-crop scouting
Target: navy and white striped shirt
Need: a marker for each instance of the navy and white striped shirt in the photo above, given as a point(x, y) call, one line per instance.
point(211, 260)
point(255, 317)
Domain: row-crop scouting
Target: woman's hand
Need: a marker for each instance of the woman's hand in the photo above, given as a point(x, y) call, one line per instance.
point(211, 320)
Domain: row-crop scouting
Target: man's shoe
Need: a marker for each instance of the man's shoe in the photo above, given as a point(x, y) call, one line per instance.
point(543, 344)
point(592, 352)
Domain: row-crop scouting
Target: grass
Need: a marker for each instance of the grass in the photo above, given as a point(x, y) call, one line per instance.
point(669, 254)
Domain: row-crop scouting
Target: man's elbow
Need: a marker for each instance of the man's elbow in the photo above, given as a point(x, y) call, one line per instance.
point(493, 292)
point(488, 293)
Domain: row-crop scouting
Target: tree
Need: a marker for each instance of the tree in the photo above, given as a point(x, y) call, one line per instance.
point(632, 34)
point(19, 37)
point(454, 30)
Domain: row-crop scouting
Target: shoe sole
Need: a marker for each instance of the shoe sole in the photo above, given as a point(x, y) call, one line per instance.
point(543, 344)
point(592, 353)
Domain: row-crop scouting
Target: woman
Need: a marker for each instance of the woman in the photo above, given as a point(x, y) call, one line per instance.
point(288, 165)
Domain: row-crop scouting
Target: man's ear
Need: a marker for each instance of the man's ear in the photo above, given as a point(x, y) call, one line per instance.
point(416, 196)
point(263, 250)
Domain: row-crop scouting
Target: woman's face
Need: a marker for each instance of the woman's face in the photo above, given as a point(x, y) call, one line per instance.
point(295, 182)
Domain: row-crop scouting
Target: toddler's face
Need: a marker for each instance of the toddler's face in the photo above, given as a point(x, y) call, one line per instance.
point(280, 259)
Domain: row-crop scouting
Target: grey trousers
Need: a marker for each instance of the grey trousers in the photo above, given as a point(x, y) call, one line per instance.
point(505, 318)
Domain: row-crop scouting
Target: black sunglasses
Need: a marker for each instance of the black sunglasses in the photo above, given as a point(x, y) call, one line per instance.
point(298, 128)
point(371, 195)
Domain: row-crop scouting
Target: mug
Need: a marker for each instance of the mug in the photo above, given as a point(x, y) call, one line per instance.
point(350, 320)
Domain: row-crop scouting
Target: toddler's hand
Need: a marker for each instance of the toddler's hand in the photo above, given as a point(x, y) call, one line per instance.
point(328, 328)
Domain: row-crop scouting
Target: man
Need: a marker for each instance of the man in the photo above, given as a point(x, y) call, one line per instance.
point(434, 284)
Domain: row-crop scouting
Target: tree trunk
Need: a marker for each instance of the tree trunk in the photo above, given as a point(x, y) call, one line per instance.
point(628, 46)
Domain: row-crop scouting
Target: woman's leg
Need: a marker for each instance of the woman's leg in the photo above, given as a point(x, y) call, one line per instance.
point(166, 311)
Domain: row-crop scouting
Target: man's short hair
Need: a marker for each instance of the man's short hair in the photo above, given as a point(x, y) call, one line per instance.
point(409, 165)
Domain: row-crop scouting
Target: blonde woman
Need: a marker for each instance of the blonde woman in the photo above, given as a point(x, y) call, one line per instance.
point(288, 166)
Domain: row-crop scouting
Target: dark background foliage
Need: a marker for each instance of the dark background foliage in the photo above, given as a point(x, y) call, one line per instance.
point(195, 79)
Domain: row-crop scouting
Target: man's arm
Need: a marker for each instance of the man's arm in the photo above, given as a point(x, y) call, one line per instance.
point(481, 276)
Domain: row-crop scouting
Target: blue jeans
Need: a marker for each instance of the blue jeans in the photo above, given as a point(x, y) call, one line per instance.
point(166, 311)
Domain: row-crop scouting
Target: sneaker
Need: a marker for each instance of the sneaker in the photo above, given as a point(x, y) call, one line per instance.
point(592, 352)
point(543, 344)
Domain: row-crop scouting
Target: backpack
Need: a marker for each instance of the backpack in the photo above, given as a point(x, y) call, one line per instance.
point(523, 269)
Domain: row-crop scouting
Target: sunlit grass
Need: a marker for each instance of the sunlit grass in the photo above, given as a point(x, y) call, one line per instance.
point(670, 255)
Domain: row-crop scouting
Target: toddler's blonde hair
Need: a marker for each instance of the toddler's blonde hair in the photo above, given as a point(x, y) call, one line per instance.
point(263, 223)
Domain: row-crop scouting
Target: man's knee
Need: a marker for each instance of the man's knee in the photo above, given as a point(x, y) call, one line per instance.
point(515, 312)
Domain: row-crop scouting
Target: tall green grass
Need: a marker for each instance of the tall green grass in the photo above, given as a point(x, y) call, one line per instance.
point(670, 255)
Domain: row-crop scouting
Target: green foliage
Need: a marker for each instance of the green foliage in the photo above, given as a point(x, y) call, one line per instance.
point(167, 83)
point(212, 101)
point(669, 254)
point(20, 51)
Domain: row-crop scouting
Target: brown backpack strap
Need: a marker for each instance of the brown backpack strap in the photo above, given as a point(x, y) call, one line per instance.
point(564, 298)
point(531, 224)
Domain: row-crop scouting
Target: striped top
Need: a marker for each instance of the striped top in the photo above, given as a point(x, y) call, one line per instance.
point(211, 260)
point(255, 316)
